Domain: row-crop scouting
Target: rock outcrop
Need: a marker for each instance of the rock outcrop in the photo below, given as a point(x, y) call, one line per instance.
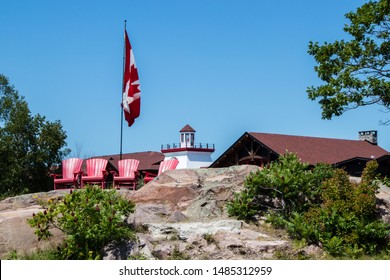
point(179, 215)
point(184, 215)
point(15, 233)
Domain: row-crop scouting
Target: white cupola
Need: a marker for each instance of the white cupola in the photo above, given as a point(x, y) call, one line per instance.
point(189, 153)
point(187, 137)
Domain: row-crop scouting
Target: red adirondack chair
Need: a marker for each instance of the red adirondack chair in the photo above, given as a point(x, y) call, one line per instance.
point(169, 164)
point(96, 172)
point(71, 173)
point(128, 172)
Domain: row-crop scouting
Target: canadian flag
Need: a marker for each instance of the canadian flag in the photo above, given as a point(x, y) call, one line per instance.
point(131, 97)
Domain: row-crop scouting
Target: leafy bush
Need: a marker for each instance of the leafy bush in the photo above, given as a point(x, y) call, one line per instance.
point(90, 218)
point(285, 186)
point(349, 212)
point(385, 181)
point(319, 205)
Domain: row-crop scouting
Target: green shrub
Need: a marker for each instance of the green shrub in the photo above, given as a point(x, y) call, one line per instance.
point(346, 222)
point(385, 181)
point(334, 245)
point(90, 218)
point(319, 205)
point(285, 186)
point(349, 210)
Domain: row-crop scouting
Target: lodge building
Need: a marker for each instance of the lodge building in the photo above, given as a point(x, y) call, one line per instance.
point(262, 148)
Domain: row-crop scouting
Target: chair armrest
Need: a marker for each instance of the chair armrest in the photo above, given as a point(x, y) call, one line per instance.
point(149, 174)
point(79, 173)
point(114, 173)
point(55, 176)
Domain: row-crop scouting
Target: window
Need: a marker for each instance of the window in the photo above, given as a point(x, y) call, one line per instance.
point(187, 139)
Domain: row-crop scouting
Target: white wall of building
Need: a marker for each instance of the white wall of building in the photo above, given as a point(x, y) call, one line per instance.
point(191, 159)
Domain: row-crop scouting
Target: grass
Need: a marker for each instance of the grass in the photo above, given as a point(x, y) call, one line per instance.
point(50, 254)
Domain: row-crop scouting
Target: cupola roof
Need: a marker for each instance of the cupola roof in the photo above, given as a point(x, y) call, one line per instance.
point(187, 128)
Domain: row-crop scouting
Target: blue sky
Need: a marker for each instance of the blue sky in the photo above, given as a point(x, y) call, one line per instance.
point(222, 66)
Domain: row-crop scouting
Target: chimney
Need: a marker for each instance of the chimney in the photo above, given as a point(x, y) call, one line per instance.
point(370, 136)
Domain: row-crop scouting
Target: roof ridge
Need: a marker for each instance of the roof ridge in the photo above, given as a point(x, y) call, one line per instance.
point(302, 136)
point(110, 155)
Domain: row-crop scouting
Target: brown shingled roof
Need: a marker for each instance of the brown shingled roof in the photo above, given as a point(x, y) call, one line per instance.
point(187, 128)
point(314, 149)
point(148, 160)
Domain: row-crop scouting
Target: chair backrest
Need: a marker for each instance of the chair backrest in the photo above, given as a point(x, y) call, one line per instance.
point(70, 166)
point(168, 165)
point(127, 167)
point(95, 166)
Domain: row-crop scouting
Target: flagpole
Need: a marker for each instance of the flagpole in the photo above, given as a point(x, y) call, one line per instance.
point(123, 73)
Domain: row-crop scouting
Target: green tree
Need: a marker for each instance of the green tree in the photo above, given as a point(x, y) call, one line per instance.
point(356, 72)
point(29, 145)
